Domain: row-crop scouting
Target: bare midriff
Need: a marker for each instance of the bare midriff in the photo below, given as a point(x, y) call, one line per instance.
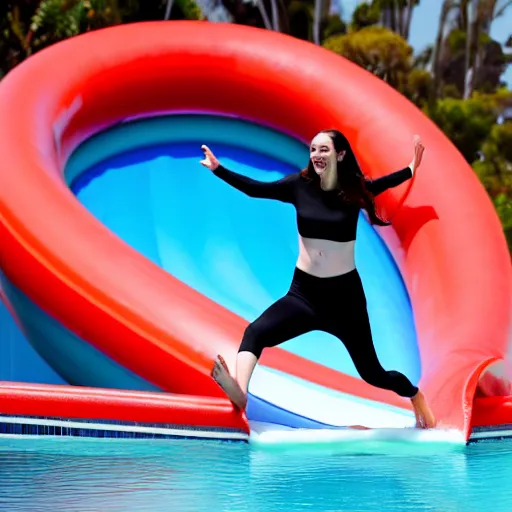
point(324, 258)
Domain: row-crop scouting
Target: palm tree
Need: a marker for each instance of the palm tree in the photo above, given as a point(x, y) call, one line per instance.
point(320, 14)
point(444, 17)
point(397, 15)
point(472, 7)
point(408, 18)
point(474, 17)
point(317, 20)
point(168, 9)
point(479, 16)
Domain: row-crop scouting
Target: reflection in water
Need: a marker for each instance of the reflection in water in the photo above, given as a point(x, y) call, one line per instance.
point(79, 475)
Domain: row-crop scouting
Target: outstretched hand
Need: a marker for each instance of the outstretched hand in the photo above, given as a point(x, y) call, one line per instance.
point(210, 161)
point(418, 153)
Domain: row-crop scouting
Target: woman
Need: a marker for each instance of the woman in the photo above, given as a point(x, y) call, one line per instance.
point(326, 292)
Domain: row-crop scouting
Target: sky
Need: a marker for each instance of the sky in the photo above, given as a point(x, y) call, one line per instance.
point(424, 26)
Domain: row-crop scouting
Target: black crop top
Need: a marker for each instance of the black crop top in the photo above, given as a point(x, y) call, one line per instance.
point(320, 214)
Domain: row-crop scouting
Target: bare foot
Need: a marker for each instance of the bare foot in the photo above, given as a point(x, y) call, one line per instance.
point(229, 385)
point(359, 427)
point(424, 416)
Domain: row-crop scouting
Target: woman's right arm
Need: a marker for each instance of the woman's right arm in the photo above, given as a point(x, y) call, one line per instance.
point(280, 190)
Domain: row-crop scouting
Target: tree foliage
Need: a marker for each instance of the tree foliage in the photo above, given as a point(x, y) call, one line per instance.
point(474, 126)
point(395, 15)
point(378, 50)
point(494, 168)
point(467, 123)
point(365, 15)
point(27, 26)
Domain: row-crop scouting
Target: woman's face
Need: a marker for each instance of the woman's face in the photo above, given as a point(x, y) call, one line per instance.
point(323, 155)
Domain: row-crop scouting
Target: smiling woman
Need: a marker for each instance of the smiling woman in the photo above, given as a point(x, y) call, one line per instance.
point(326, 292)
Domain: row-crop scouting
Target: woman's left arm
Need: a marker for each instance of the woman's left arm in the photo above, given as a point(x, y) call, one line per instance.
point(394, 179)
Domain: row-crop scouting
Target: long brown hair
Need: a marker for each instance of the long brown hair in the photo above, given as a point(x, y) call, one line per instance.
point(351, 180)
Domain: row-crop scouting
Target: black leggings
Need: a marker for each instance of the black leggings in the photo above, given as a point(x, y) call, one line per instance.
point(336, 305)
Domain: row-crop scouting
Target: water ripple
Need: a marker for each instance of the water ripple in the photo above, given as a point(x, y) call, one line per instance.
point(80, 475)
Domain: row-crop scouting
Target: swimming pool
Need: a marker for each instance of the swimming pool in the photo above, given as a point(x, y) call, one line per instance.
point(83, 475)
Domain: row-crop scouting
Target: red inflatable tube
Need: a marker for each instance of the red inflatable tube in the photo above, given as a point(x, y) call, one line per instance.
point(491, 410)
point(451, 247)
point(160, 409)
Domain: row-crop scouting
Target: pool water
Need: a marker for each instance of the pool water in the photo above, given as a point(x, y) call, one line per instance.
point(82, 475)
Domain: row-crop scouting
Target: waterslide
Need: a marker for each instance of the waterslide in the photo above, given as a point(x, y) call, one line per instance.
point(126, 266)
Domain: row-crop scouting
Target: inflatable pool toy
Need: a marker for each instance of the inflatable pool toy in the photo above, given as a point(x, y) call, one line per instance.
point(102, 314)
